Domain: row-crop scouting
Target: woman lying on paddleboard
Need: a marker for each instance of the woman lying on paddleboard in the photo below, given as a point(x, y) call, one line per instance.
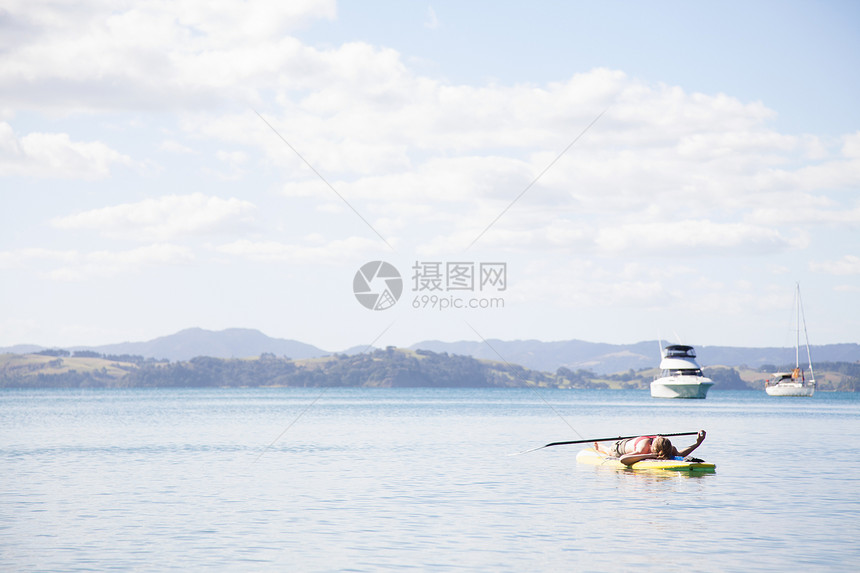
point(632, 450)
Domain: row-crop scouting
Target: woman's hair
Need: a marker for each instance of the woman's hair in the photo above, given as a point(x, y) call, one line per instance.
point(662, 447)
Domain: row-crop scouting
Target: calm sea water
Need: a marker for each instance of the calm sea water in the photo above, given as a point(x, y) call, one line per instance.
point(385, 480)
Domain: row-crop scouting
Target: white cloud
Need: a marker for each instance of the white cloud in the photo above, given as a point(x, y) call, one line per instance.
point(339, 251)
point(444, 180)
point(106, 264)
point(72, 265)
point(20, 258)
point(693, 238)
point(663, 169)
point(659, 156)
point(151, 55)
point(679, 239)
point(233, 162)
point(175, 147)
point(851, 145)
point(588, 283)
point(234, 158)
point(163, 218)
point(55, 155)
point(847, 265)
point(672, 291)
point(432, 22)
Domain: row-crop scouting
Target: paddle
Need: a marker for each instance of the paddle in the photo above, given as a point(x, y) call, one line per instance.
point(602, 440)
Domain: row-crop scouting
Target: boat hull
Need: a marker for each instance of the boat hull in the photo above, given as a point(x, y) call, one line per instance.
point(592, 457)
point(678, 387)
point(790, 389)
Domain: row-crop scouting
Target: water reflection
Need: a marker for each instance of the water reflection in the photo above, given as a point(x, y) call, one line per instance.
point(655, 475)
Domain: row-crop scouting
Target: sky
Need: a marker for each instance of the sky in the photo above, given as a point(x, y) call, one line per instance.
point(603, 171)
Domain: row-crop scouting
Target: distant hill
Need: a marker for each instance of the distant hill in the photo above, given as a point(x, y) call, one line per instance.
point(389, 368)
point(229, 343)
point(193, 342)
point(603, 358)
point(549, 356)
point(22, 349)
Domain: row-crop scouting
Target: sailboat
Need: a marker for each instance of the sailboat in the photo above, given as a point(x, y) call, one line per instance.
point(794, 383)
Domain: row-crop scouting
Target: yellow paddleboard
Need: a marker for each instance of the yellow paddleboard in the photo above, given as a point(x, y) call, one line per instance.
point(595, 458)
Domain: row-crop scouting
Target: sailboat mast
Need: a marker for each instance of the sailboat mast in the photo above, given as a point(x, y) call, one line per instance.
point(797, 323)
point(805, 334)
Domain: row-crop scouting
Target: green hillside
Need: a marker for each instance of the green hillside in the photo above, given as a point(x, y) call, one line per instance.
point(41, 371)
point(388, 368)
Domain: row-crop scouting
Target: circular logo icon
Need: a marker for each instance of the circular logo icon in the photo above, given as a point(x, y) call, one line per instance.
point(377, 285)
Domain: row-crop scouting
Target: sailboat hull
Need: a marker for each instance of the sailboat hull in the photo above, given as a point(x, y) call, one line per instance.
point(790, 390)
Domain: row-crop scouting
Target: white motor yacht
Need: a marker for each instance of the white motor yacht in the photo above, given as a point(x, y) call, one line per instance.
point(681, 376)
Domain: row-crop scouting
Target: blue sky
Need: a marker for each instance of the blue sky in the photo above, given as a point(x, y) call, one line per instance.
point(143, 194)
point(789, 54)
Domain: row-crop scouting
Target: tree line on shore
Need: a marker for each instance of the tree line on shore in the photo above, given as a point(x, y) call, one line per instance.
point(385, 368)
